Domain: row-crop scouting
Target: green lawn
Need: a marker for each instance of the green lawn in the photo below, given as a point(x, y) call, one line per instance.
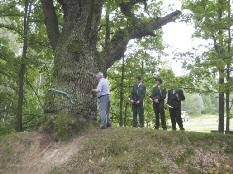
point(204, 123)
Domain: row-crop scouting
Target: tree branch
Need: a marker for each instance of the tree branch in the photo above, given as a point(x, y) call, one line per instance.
point(51, 22)
point(63, 6)
point(126, 8)
point(10, 27)
point(119, 42)
point(11, 15)
point(145, 29)
point(35, 92)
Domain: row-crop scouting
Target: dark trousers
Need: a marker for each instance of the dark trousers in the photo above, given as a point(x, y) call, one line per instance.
point(138, 109)
point(159, 113)
point(175, 114)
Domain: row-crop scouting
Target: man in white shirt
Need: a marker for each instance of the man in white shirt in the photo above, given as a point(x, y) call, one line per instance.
point(103, 92)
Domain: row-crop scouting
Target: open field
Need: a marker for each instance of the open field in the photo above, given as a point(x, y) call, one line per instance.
point(204, 123)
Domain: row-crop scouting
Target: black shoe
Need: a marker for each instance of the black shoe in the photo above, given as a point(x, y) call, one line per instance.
point(109, 125)
point(102, 127)
point(182, 129)
point(164, 129)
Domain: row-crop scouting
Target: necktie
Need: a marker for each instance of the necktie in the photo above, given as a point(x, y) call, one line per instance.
point(160, 90)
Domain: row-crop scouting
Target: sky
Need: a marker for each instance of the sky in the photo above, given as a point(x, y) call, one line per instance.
point(177, 37)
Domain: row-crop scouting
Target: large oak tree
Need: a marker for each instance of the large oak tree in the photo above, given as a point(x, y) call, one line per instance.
point(76, 57)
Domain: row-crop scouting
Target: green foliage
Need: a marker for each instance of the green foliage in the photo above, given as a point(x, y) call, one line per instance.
point(8, 71)
point(6, 128)
point(212, 23)
point(63, 127)
point(198, 104)
point(210, 104)
point(8, 151)
point(193, 104)
point(38, 65)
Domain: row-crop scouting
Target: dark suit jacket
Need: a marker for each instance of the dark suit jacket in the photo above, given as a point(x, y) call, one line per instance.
point(159, 93)
point(174, 99)
point(138, 92)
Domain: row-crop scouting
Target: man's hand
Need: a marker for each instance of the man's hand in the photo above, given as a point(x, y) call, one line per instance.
point(94, 90)
point(138, 102)
point(131, 101)
point(151, 100)
point(156, 100)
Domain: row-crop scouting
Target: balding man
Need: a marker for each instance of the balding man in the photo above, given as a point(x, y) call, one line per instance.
point(103, 92)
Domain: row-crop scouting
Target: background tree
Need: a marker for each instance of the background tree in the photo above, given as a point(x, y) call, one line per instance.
point(211, 22)
point(229, 61)
point(38, 62)
point(27, 13)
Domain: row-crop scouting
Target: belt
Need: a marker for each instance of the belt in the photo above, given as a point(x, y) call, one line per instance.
point(102, 95)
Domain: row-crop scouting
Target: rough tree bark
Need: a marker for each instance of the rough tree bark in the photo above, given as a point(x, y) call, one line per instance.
point(76, 57)
point(74, 61)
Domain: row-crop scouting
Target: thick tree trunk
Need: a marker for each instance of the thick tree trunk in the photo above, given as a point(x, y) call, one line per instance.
point(75, 62)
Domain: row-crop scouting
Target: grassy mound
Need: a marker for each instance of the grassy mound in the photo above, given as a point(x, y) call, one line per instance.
point(119, 150)
point(127, 150)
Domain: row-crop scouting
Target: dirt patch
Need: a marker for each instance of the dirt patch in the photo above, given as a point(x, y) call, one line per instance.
point(42, 153)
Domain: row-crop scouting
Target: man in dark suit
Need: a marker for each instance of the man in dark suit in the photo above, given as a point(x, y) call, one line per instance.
point(157, 98)
point(136, 98)
point(174, 103)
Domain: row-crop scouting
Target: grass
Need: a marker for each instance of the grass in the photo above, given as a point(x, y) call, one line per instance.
point(203, 123)
point(12, 148)
point(7, 151)
point(131, 151)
